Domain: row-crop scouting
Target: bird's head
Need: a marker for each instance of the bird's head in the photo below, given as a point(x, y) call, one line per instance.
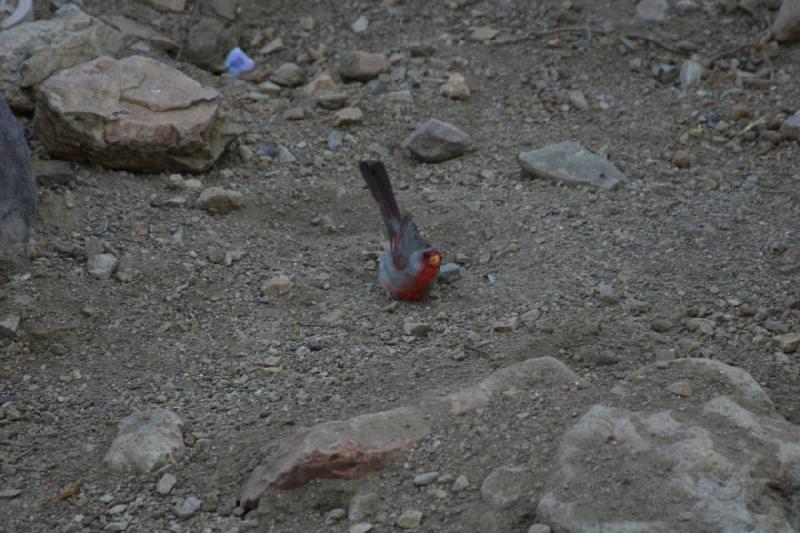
point(431, 258)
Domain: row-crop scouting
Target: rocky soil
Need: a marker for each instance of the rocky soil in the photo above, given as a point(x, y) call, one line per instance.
point(210, 351)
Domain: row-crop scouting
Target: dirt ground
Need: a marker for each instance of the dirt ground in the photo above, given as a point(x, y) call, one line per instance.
point(718, 239)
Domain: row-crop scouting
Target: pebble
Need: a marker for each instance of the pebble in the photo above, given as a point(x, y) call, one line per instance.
point(348, 116)
point(790, 128)
point(606, 293)
point(102, 266)
point(652, 10)
point(7, 494)
point(294, 113)
point(788, 342)
point(682, 159)
point(539, 528)
point(417, 329)
point(188, 508)
point(332, 100)
point(483, 34)
point(288, 75)
point(775, 326)
point(307, 23)
point(661, 325)
point(116, 526)
point(362, 505)
point(360, 25)
point(362, 66)
point(362, 527)
point(507, 325)
point(426, 478)
point(9, 325)
point(276, 286)
point(578, 100)
point(410, 519)
point(437, 141)
point(165, 484)
point(335, 514)
point(701, 325)
point(220, 201)
point(691, 72)
point(680, 388)
point(740, 112)
point(460, 484)
point(334, 140)
point(456, 87)
point(449, 272)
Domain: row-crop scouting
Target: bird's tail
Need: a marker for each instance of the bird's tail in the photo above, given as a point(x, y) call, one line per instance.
point(377, 179)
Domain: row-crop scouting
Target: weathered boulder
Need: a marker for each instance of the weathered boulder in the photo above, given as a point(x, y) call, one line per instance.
point(339, 449)
point(30, 53)
point(724, 461)
point(787, 23)
point(147, 440)
point(17, 193)
point(135, 113)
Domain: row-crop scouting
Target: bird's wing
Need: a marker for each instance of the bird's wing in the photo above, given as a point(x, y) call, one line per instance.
point(406, 242)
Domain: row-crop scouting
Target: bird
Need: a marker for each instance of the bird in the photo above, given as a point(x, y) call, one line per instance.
point(409, 268)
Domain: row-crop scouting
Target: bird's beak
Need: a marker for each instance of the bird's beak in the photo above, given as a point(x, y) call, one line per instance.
point(435, 260)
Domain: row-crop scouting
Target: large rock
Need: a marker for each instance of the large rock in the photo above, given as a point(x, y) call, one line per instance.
point(724, 461)
point(539, 372)
point(147, 440)
point(572, 164)
point(30, 53)
point(787, 23)
point(339, 449)
point(17, 193)
point(133, 30)
point(135, 113)
point(437, 141)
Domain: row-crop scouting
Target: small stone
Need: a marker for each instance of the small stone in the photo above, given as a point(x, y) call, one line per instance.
point(8, 494)
point(288, 75)
point(215, 255)
point(483, 34)
point(270, 89)
point(307, 23)
point(360, 25)
point(220, 201)
point(417, 329)
point(652, 10)
point(118, 509)
point(276, 286)
point(460, 484)
point(147, 440)
point(578, 100)
point(273, 46)
point(334, 140)
point(362, 527)
point(323, 82)
point(116, 526)
point(456, 87)
point(680, 388)
point(775, 326)
point(362, 66)
point(437, 141)
point(102, 266)
point(787, 23)
point(410, 519)
point(294, 113)
point(740, 112)
point(529, 318)
point(362, 505)
point(790, 128)
point(425, 479)
point(449, 272)
point(691, 72)
point(348, 116)
point(9, 325)
point(165, 484)
point(400, 97)
point(507, 325)
point(335, 514)
point(539, 528)
point(681, 159)
point(606, 293)
point(193, 184)
point(788, 342)
point(701, 325)
point(503, 486)
point(188, 508)
point(661, 325)
point(331, 100)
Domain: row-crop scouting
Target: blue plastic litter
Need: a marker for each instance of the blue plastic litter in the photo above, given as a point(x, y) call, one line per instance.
point(237, 62)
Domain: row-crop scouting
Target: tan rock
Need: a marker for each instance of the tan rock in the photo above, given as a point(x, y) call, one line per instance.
point(362, 66)
point(456, 87)
point(135, 113)
point(348, 116)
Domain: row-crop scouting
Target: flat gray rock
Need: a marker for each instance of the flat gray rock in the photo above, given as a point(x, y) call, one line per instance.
point(572, 164)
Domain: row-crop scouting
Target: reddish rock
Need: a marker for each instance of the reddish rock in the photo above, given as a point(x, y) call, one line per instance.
point(346, 449)
point(538, 372)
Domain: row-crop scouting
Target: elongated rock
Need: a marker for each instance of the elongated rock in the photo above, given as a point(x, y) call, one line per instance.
point(572, 164)
point(17, 193)
point(339, 449)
